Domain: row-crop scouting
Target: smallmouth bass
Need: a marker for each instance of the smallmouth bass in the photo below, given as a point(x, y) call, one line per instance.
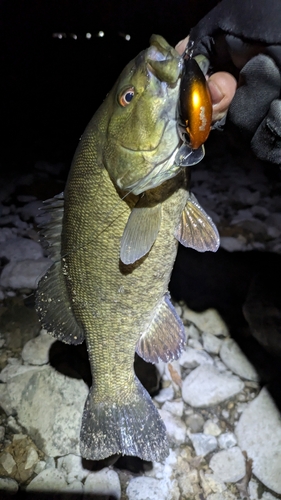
point(113, 237)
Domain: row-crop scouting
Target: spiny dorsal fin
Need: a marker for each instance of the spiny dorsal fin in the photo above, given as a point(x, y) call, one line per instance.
point(197, 229)
point(50, 232)
point(140, 233)
point(165, 337)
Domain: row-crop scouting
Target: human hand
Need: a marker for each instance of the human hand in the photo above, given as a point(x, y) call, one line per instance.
point(243, 37)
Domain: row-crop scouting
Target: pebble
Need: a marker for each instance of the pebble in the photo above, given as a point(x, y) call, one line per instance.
point(174, 407)
point(176, 428)
point(8, 485)
point(236, 361)
point(211, 428)
point(227, 440)
point(24, 273)
point(203, 443)
point(46, 419)
point(104, 482)
point(2, 432)
point(195, 423)
point(261, 418)
point(211, 343)
point(206, 386)
point(49, 480)
point(229, 465)
point(71, 465)
point(207, 321)
point(191, 358)
point(166, 394)
point(225, 495)
point(7, 462)
point(18, 249)
point(36, 351)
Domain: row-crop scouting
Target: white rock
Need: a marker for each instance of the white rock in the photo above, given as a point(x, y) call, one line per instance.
point(17, 249)
point(104, 482)
point(191, 358)
point(231, 244)
point(207, 321)
point(229, 465)
point(176, 428)
point(50, 480)
point(49, 406)
point(261, 419)
point(192, 332)
point(24, 273)
point(174, 407)
point(225, 495)
point(212, 428)
point(166, 394)
point(210, 483)
point(195, 344)
point(236, 361)
point(31, 209)
point(203, 443)
point(147, 488)
point(9, 485)
point(211, 343)
point(7, 462)
point(71, 465)
point(227, 440)
point(36, 351)
point(195, 423)
point(206, 386)
point(75, 487)
point(13, 424)
point(39, 466)
point(31, 457)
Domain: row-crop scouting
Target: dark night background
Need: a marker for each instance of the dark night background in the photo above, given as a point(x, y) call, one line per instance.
point(51, 87)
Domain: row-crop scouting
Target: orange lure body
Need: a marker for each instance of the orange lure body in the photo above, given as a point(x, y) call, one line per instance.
point(195, 104)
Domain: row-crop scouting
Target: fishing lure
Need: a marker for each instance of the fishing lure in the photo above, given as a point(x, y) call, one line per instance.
point(195, 113)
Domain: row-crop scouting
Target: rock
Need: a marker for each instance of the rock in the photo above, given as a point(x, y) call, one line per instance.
point(225, 495)
point(207, 321)
point(229, 465)
point(211, 484)
point(176, 429)
point(191, 358)
point(75, 487)
point(244, 196)
point(19, 459)
point(17, 249)
point(211, 428)
point(232, 244)
point(206, 386)
point(195, 423)
point(261, 418)
point(7, 463)
point(166, 394)
point(50, 480)
point(24, 273)
point(13, 369)
point(145, 488)
point(236, 361)
point(13, 425)
point(203, 443)
point(36, 351)
point(104, 482)
point(174, 407)
point(9, 485)
point(31, 210)
point(71, 466)
point(2, 432)
point(211, 343)
point(274, 219)
point(49, 406)
point(227, 440)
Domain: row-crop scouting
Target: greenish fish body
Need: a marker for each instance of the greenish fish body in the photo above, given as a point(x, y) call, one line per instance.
point(113, 237)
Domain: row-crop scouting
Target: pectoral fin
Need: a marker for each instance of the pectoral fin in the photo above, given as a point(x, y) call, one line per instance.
point(165, 337)
point(197, 229)
point(140, 233)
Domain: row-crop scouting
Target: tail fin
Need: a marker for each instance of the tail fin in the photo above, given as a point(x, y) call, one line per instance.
point(128, 428)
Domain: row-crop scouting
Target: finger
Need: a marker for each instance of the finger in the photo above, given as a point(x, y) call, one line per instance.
point(181, 46)
point(222, 87)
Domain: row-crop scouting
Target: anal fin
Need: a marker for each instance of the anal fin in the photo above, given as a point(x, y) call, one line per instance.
point(197, 229)
point(140, 233)
point(54, 307)
point(165, 337)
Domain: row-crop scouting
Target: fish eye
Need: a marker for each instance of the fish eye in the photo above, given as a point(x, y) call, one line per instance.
point(126, 96)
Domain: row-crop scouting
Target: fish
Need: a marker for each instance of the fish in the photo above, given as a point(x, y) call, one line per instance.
point(113, 237)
